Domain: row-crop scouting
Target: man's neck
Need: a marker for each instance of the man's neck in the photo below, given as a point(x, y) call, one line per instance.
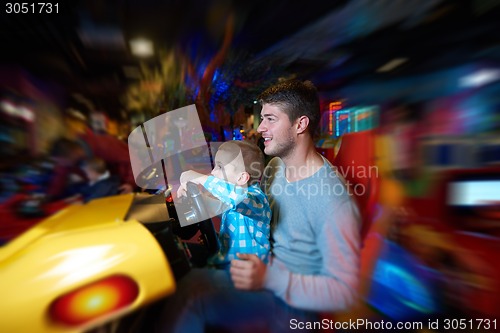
point(303, 162)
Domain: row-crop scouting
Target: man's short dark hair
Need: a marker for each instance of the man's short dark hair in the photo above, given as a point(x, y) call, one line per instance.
point(296, 98)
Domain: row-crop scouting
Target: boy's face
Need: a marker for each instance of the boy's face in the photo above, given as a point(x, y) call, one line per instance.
point(229, 167)
point(91, 174)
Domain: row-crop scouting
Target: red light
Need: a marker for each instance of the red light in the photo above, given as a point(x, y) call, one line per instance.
point(94, 300)
point(335, 106)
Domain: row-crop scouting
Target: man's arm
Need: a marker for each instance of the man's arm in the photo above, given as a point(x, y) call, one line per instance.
point(333, 289)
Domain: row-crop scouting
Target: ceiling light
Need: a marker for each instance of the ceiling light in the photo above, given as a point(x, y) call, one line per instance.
point(479, 78)
point(389, 66)
point(141, 47)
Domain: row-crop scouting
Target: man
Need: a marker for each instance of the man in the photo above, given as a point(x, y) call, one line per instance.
point(315, 231)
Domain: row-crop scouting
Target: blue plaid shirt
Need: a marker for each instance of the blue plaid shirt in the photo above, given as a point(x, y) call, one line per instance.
point(245, 226)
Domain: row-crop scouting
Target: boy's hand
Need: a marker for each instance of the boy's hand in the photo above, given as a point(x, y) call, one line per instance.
point(248, 273)
point(181, 191)
point(189, 176)
point(125, 189)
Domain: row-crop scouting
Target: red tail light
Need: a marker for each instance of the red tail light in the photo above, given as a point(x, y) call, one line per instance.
point(94, 300)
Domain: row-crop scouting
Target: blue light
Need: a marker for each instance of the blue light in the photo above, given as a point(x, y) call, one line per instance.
point(216, 75)
point(402, 287)
point(341, 126)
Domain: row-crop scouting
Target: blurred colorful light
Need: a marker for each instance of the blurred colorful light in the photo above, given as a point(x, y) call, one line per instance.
point(94, 300)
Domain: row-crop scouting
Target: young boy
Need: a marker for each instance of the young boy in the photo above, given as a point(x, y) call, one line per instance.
point(245, 224)
point(101, 182)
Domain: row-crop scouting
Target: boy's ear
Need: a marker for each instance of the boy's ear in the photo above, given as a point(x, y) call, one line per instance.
point(243, 178)
point(302, 123)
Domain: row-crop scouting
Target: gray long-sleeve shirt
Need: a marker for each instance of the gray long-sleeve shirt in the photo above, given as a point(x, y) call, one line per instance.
point(315, 239)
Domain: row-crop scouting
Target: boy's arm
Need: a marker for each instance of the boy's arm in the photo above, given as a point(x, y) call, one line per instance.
point(236, 197)
point(228, 193)
point(189, 176)
point(193, 176)
point(250, 202)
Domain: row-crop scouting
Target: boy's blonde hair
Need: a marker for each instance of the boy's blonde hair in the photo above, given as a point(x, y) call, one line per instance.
point(253, 158)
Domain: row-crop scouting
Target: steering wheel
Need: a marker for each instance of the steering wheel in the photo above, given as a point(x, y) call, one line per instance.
point(197, 211)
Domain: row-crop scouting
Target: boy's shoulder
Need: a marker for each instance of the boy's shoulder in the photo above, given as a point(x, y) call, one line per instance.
point(274, 162)
point(273, 167)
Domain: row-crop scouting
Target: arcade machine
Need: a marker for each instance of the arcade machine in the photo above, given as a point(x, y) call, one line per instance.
point(396, 284)
point(338, 120)
point(91, 266)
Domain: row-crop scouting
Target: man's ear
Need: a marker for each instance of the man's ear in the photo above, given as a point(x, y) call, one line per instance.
point(302, 123)
point(243, 178)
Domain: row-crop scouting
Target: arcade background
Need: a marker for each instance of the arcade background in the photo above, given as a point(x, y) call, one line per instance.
point(422, 76)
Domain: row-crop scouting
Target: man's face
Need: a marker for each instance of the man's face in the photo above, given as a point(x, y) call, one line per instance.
point(277, 131)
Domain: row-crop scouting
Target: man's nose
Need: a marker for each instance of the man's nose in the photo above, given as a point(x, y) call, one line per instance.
point(261, 127)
